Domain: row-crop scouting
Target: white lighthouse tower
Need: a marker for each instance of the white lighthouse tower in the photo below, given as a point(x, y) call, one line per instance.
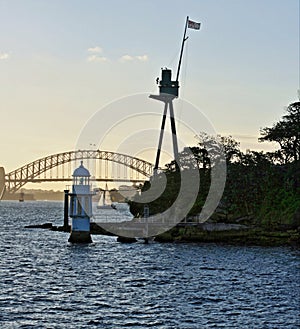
point(81, 206)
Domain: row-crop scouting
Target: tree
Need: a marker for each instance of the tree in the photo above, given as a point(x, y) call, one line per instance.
point(214, 148)
point(286, 133)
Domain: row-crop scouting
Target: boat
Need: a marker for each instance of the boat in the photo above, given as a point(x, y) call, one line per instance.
point(105, 200)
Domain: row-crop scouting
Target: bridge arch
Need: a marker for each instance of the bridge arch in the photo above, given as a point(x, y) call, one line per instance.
point(30, 172)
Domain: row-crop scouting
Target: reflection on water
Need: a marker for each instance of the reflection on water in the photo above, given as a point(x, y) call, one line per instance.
point(48, 283)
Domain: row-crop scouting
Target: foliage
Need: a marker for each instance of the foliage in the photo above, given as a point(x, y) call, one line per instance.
point(286, 132)
point(264, 187)
point(165, 200)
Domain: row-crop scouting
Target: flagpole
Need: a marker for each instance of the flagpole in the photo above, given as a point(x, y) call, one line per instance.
point(182, 46)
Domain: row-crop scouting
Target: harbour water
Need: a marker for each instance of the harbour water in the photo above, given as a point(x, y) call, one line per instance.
point(48, 283)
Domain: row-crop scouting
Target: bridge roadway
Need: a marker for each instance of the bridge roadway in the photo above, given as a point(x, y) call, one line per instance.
point(31, 172)
point(69, 179)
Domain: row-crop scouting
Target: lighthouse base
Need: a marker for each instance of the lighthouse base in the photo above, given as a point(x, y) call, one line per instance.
point(80, 232)
point(80, 237)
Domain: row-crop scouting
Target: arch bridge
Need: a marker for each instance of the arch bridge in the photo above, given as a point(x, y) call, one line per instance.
point(103, 165)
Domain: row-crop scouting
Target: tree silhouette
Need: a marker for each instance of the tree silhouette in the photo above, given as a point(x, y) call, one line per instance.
point(286, 133)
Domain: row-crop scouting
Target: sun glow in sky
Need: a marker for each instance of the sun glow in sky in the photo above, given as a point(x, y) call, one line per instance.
point(61, 61)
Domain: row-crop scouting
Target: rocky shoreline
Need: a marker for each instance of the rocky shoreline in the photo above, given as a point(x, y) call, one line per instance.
point(253, 236)
point(219, 233)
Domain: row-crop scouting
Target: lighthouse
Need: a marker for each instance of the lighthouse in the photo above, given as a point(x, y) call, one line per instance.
point(80, 206)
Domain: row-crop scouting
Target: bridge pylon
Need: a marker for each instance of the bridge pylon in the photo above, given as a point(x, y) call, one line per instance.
point(2, 182)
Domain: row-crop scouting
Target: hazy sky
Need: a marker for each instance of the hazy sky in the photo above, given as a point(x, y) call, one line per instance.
point(62, 60)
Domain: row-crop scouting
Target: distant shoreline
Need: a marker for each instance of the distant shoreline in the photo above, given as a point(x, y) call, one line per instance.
point(35, 195)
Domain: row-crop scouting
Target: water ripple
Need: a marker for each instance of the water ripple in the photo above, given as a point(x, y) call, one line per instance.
point(48, 283)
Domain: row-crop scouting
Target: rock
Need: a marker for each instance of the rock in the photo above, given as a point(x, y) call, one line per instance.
point(97, 229)
point(61, 228)
point(43, 226)
point(222, 227)
point(124, 239)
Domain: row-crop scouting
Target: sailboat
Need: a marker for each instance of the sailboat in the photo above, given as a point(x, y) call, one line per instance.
point(105, 200)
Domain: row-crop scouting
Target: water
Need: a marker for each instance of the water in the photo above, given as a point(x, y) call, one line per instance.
point(48, 283)
point(120, 213)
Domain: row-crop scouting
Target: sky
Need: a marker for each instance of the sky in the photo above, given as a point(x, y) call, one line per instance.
point(63, 60)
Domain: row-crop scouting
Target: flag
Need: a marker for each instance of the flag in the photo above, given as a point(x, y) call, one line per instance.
point(193, 25)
